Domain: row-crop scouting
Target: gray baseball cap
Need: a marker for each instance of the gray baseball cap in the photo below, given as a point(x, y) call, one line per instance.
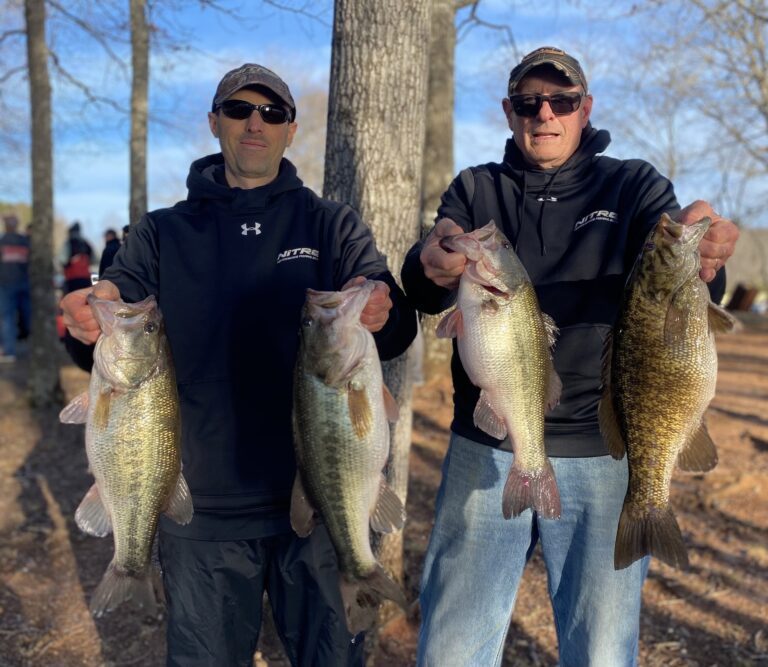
point(253, 75)
point(548, 55)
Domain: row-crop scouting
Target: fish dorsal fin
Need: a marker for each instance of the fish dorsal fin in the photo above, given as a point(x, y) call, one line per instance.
point(487, 419)
point(91, 516)
point(551, 328)
point(389, 514)
point(451, 326)
point(302, 512)
point(391, 408)
point(721, 321)
point(609, 425)
point(360, 413)
point(179, 506)
point(76, 411)
point(699, 453)
point(554, 387)
point(606, 414)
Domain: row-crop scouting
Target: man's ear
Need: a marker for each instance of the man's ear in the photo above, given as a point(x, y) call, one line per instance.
point(213, 123)
point(586, 110)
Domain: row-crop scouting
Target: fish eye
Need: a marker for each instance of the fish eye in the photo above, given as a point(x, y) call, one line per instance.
point(150, 327)
point(507, 245)
point(306, 322)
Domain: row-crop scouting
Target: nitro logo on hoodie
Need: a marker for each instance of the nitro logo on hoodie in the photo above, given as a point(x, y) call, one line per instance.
point(298, 253)
point(603, 216)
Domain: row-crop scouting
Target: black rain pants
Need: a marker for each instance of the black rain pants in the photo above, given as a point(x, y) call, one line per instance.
point(215, 590)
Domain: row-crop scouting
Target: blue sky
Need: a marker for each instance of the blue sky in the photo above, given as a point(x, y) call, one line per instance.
point(91, 155)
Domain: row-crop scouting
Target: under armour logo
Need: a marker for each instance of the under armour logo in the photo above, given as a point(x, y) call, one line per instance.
point(256, 229)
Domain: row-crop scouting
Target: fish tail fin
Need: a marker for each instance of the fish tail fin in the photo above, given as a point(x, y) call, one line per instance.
point(117, 587)
point(655, 534)
point(534, 489)
point(362, 598)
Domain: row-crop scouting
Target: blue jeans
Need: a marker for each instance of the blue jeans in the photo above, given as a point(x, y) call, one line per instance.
point(14, 299)
point(475, 561)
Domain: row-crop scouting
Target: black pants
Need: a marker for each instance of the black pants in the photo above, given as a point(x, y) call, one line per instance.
point(215, 591)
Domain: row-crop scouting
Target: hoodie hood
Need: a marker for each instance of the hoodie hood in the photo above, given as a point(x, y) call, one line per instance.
point(592, 142)
point(206, 180)
point(548, 185)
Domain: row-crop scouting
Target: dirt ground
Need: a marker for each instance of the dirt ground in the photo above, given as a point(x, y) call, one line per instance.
point(713, 614)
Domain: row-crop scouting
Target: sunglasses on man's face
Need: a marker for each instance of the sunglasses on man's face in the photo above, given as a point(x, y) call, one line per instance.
point(240, 110)
point(528, 105)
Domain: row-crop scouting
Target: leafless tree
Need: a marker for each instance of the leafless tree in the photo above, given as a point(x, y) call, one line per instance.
point(694, 95)
point(137, 205)
point(374, 159)
point(44, 385)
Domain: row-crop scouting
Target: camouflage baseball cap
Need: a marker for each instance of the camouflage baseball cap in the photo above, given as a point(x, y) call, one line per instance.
point(253, 75)
point(548, 55)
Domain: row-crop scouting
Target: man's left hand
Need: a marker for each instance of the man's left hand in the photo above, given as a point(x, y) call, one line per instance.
point(376, 311)
point(718, 243)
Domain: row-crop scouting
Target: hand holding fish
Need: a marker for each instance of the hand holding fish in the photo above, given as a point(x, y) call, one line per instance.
point(78, 316)
point(376, 311)
point(442, 267)
point(718, 243)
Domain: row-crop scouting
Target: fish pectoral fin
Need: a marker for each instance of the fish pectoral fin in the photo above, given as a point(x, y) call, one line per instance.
point(389, 514)
point(609, 425)
point(721, 321)
point(451, 326)
point(76, 411)
point(487, 419)
point(391, 408)
point(91, 516)
point(554, 387)
point(676, 329)
point(699, 453)
point(101, 410)
point(179, 506)
point(360, 413)
point(302, 511)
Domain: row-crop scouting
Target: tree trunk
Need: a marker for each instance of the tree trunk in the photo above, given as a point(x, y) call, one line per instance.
point(374, 160)
point(44, 385)
point(438, 157)
point(139, 87)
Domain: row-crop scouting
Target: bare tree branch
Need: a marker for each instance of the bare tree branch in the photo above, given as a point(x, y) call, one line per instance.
point(98, 99)
point(98, 35)
point(11, 72)
point(7, 34)
point(474, 21)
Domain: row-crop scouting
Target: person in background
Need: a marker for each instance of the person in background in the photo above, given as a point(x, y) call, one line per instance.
point(14, 286)
point(75, 258)
point(111, 246)
point(126, 229)
point(577, 221)
point(230, 267)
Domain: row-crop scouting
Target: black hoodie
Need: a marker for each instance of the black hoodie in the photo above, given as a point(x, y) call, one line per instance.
point(578, 229)
point(230, 268)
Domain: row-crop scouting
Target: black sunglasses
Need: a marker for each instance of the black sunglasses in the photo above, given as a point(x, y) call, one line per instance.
point(528, 105)
point(240, 110)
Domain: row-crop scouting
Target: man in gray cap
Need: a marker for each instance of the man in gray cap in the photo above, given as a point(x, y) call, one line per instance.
point(577, 221)
point(230, 267)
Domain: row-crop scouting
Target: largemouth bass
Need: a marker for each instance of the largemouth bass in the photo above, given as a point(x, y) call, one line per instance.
point(341, 414)
point(659, 374)
point(504, 344)
point(132, 438)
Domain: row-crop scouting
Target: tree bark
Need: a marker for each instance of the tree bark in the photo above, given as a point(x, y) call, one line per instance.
point(44, 386)
point(374, 161)
point(139, 91)
point(438, 158)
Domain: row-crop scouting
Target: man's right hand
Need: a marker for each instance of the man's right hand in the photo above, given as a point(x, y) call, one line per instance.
point(78, 316)
point(442, 267)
